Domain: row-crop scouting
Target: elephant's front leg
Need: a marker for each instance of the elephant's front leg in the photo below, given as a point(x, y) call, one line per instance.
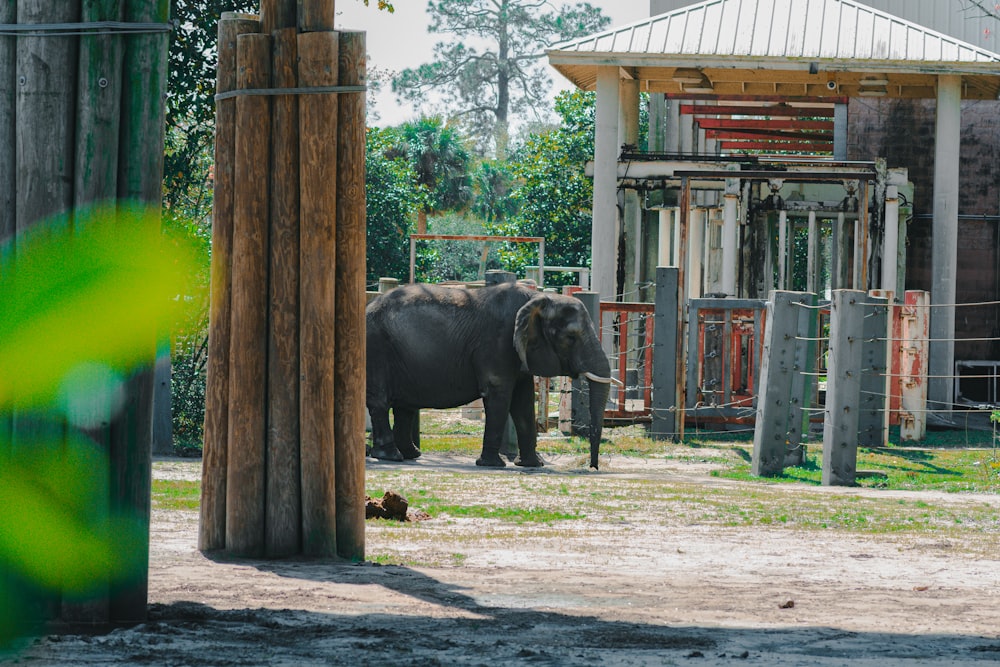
point(522, 411)
point(496, 405)
point(406, 431)
point(383, 444)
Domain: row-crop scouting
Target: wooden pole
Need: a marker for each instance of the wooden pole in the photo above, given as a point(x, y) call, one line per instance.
point(140, 179)
point(284, 514)
point(316, 15)
point(98, 108)
point(8, 155)
point(44, 107)
point(277, 15)
point(245, 479)
point(318, 54)
point(349, 371)
point(212, 531)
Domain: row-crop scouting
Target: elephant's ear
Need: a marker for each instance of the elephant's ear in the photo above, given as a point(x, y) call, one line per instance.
point(537, 355)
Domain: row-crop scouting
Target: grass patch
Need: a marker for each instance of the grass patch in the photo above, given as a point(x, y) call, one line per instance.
point(176, 494)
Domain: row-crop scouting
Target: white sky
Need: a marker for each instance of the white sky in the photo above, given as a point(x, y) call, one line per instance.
point(400, 40)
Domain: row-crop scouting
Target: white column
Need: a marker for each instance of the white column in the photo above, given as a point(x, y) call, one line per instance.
point(840, 131)
point(812, 270)
point(944, 256)
point(666, 236)
point(782, 249)
point(628, 133)
point(696, 242)
point(675, 249)
point(730, 237)
point(890, 241)
point(604, 243)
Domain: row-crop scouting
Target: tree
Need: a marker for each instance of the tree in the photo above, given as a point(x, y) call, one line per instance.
point(440, 162)
point(492, 65)
point(391, 189)
point(554, 196)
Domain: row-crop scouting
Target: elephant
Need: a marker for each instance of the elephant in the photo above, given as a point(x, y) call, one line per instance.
point(431, 346)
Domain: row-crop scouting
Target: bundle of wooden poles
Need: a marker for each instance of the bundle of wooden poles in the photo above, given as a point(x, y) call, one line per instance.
point(283, 467)
point(82, 88)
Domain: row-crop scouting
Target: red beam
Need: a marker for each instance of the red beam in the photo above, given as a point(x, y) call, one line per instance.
point(775, 124)
point(769, 134)
point(797, 146)
point(773, 111)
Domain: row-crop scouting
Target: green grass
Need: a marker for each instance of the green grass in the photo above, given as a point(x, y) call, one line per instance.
point(173, 494)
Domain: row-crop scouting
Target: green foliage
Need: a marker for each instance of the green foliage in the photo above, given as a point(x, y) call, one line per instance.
point(438, 261)
point(83, 304)
point(176, 494)
point(390, 186)
point(493, 65)
point(554, 197)
point(440, 161)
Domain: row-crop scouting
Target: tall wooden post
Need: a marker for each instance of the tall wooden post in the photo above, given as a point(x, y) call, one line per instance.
point(212, 530)
point(284, 511)
point(318, 206)
point(8, 155)
point(349, 371)
point(245, 478)
point(140, 179)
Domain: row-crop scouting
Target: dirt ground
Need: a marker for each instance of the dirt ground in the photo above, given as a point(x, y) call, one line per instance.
point(645, 589)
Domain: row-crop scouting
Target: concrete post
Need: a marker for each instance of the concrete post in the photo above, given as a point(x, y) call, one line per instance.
point(840, 131)
point(843, 388)
point(783, 250)
point(695, 253)
point(890, 240)
point(666, 236)
point(672, 140)
point(873, 428)
point(730, 236)
point(665, 355)
point(604, 242)
point(944, 257)
point(675, 249)
point(812, 266)
point(914, 329)
point(628, 133)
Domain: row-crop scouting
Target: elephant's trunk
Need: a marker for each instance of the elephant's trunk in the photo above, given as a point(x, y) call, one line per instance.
point(599, 390)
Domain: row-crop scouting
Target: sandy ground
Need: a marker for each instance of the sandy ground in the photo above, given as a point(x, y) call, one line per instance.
point(641, 590)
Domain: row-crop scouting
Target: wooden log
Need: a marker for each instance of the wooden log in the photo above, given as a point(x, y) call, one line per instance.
point(245, 478)
point(140, 179)
point(212, 529)
point(277, 15)
point(98, 107)
point(316, 15)
point(8, 165)
point(349, 356)
point(318, 53)
point(44, 107)
point(96, 180)
point(284, 513)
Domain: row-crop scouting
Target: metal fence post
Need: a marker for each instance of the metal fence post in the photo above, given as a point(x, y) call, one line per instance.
point(665, 355)
point(843, 388)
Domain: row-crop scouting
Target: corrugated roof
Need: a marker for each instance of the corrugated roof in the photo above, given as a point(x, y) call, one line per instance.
point(811, 29)
point(791, 48)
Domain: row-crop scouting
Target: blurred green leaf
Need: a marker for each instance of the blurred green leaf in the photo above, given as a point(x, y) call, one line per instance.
point(99, 294)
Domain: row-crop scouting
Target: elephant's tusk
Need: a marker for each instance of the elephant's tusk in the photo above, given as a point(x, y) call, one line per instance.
point(597, 378)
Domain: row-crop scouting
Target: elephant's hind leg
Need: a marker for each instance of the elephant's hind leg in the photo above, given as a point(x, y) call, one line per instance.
point(383, 444)
point(406, 432)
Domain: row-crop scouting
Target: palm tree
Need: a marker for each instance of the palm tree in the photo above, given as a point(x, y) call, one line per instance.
point(441, 162)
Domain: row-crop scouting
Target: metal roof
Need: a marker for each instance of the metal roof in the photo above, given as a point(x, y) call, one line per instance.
point(823, 38)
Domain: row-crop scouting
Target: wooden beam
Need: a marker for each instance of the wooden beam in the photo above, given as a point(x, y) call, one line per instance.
point(747, 110)
point(763, 124)
point(794, 146)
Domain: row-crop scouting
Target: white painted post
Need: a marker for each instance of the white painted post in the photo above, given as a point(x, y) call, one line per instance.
point(676, 247)
point(696, 239)
point(890, 241)
point(840, 126)
point(782, 250)
point(628, 133)
point(913, 347)
point(944, 255)
point(666, 236)
point(812, 268)
point(604, 243)
point(730, 236)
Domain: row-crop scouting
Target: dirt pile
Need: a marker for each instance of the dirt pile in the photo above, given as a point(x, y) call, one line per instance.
point(392, 506)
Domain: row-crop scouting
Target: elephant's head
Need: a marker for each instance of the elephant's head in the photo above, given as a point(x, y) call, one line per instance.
point(554, 336)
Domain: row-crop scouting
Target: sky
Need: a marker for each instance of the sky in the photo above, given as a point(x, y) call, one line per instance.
point(400, 40)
